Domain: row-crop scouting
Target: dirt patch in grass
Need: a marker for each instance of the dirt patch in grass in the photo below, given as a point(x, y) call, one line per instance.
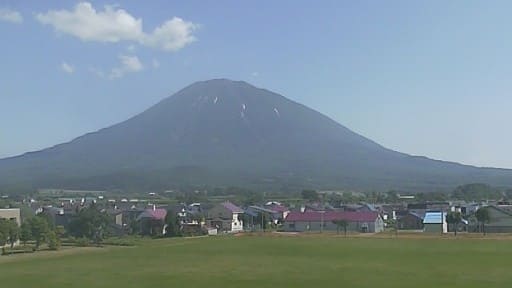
point(51, 254)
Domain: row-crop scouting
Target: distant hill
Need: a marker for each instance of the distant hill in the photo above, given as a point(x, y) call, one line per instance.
point(222, 132)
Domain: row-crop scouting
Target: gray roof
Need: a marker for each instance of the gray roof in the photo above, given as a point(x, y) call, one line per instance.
point(232, 207)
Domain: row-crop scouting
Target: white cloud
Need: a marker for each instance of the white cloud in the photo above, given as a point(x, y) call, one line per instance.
point(67, 68)
point(87, 24)
point(131, 63)
point(156, 64)
point(128, 64)
point(173, 35)
point(9, 15)
point(255, 74)
point(116, 25)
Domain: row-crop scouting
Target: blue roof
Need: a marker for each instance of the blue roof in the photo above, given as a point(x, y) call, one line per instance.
point(434, 218)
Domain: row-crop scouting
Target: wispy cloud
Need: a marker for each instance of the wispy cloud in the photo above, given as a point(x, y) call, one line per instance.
point(11, 16)
point(67, 68)
point(128, 64)
point(115, 25)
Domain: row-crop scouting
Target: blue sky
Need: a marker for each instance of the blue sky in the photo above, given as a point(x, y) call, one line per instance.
point(427, 78)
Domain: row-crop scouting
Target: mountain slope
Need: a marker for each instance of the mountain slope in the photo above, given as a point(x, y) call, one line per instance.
point(224, 132)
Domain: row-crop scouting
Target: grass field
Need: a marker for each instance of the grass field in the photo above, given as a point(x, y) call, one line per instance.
point(264, 261)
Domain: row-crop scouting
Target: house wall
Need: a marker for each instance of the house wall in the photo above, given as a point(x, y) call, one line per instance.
point(315, 226)
point(236, 224)
point(435, 228)
point(379, 225)
point(12, 213)
point(224, 220)
point(410, 222)
point(118, 219)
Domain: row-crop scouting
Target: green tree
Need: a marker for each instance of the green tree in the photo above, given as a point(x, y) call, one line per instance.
point(4, 231)
point(9, 231)
point(48, 218)
point(3, 238)
point(90, 223)
point(483, 216)
point(60, 231)
point(341, 223)
point(454, 219)
point(392, 196)
point(476, 192)
point(39, 229)
point(53, 240)
point(25, 232)
point(173, 224)
point(310, 195)
point(13, 234)
point(252, 198)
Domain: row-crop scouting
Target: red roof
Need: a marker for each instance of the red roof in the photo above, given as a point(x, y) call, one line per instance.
point(316, 216)
point(156, 214)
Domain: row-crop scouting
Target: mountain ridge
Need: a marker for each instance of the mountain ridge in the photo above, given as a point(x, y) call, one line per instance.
point(234, 128)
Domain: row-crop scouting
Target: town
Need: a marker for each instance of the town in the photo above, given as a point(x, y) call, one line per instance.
point(91, 217)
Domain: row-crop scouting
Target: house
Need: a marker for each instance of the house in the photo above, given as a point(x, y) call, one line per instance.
point(435, 222)
point(152, 221)
point(11, 214)
point(500, 221)
point(57, 215)
point(410, 221)
point(188, 214)
point(116, 216)
point(129, 217)
point(391, 211)
point(255, 211)
point(280, 210)
point(226, 217)
point(365, 221)
point(365, 207)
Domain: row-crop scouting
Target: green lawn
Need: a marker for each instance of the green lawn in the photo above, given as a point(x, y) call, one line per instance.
point(255, 261)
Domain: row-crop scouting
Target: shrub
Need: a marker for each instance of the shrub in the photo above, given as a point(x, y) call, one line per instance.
point(53, 241)
point(82, 242)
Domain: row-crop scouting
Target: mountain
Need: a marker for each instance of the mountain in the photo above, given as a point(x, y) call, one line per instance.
point(222, 132)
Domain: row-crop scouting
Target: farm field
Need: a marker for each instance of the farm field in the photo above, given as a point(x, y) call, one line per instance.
point(269, 261)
